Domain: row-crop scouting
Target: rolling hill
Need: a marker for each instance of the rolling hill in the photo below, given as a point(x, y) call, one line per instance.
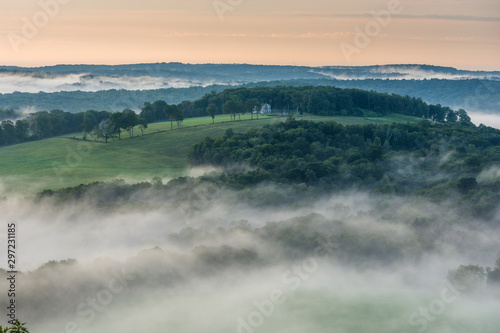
point(161, 152)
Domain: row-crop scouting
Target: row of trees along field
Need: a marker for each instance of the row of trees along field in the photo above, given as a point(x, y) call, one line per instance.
point(322, 100)
point(101, 125)
point(44, 124)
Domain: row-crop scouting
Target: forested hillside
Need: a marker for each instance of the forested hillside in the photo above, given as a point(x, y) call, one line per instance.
point(330, 101)
point(111, 100)
point(435, 160)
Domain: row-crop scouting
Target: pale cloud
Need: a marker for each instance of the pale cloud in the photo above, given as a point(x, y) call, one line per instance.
point(446, 38)
point(461, 38)
point(452, 17)
point(406, 16)
point(292, 32)
point(308, 35)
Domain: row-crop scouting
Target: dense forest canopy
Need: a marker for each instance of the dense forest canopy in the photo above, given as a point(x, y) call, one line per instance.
point(330, 101)
point(435, 160)
point(9, 114)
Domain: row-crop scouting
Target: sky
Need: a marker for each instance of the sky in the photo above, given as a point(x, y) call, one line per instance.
point(459, 33)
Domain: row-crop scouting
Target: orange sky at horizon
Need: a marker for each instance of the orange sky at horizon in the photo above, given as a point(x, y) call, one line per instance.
point(460, 34)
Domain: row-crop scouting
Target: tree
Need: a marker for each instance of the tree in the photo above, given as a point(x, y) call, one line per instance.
point(212, 110)
point(9, 114)
point(232, 106)
point(468, 278)
point(42, 125)
point(9, 132)
point(130, 121)
point(187, 106)
point(158, 107)
point(437, 113)
point(147, 112)
point(119, 122)
point(17, 327)
point(494, 274)
point(251, 105)
point(153, 112)
point(241, 111)
point(357, 112)
point(90, 120)
point(451, 116)
point(257, 111)
point(58, 122)
point(463, 116)
point(104, 130)
point(179, 116)
point(143, 125)
point(171, 111)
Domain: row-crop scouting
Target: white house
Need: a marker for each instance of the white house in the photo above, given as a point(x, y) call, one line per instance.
point(266, 108)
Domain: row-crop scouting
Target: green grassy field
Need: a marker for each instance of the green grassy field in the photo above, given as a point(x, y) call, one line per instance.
point(312, 310)
point(160, 152)
point(378, 312)
point(225, 119)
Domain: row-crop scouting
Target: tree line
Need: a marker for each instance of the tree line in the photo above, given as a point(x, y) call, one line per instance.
point(39, 125)
point(321, 100)
point(9, 114)
point(44, 124)
point(317, 100)
point(101, 125)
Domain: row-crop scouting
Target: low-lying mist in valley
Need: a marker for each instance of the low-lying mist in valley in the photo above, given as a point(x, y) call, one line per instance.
point(410, 72)
point(177, 75)
point(487, 119)
point(49, 83)
point(195, 257)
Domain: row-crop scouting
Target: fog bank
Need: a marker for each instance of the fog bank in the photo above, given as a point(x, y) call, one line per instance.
point(488, 119)
point(34, 82)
